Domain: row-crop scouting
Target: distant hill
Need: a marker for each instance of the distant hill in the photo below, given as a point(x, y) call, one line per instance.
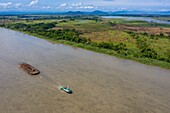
point(98, 12)
point(131, 12)
point(126, 12)
point(74, 13)
point(165, 12)
point(122, 12)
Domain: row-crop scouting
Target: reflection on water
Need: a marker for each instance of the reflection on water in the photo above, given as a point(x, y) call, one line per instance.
point(100, 83)
point(147, 19)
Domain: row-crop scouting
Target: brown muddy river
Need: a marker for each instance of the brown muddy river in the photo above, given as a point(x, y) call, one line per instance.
point(100, 83)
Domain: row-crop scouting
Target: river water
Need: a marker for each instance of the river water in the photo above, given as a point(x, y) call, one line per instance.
point(147, 19)
point(100, 83)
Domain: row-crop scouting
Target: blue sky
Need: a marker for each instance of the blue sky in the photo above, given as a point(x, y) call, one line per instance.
point(84, 5)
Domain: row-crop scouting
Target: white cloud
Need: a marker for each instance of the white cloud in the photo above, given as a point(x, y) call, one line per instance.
point(17, 5)
point(5, 5)
point(70, 7)
point(122, 8)
point(88, 7)
point(46, 7)
point(62, 5)
point(33, 2)
point(164, 9)
point(77, 4)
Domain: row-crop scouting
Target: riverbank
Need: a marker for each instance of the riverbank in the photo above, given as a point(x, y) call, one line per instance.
point(109, 36)
point(147, 61)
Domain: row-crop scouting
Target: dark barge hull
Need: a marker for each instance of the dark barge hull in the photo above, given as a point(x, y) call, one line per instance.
point(28, 68)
